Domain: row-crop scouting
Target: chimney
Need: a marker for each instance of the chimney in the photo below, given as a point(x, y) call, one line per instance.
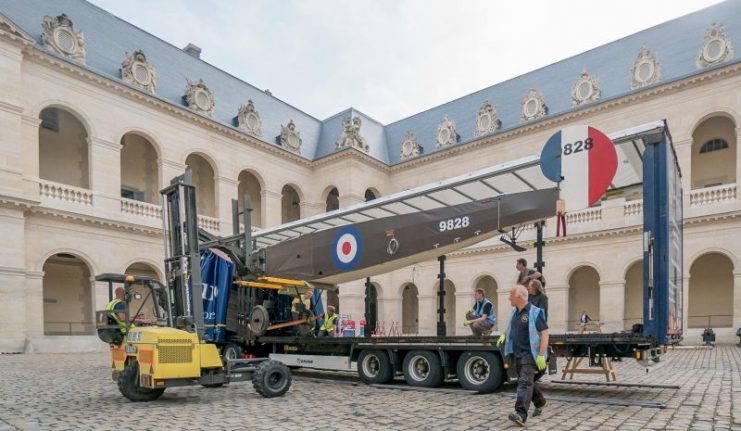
point(193, 50)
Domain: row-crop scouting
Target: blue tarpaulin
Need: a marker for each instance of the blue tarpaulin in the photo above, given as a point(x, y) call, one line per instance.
point(216, 279)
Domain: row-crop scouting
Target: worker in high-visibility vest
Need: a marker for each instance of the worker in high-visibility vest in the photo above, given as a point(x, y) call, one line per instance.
point(116, 309)
point(328, 327)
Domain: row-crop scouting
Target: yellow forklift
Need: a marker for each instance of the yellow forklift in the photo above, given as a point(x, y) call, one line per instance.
point(161, 344)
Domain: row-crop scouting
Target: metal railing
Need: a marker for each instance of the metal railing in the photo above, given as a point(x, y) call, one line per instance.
point(710, 321)
point(52, 327)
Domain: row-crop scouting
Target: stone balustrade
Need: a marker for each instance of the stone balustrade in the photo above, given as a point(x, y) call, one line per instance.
point(208, 223)
point(65, 193)
point(712, 195)
point(144, 209)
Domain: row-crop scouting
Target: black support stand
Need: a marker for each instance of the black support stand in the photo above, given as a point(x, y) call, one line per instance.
point(441, 330)
point(370, 321)
point(539, 244)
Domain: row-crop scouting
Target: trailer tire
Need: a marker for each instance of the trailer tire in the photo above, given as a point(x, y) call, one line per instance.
point(374, 367)
point(128, 385)
point(232, 351)
point(271, 378)
point(422, 368)
point(480, 371)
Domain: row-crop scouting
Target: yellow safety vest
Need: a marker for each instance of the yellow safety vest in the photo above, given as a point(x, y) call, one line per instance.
point(328, 324)
point(114, 315)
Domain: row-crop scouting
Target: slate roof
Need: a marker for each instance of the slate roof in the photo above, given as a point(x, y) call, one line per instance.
point(676, 43)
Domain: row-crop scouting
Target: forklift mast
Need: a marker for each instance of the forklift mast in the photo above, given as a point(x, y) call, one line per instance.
point(182, 259)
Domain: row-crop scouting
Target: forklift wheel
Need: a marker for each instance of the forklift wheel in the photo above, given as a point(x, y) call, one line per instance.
point(271, 379)
point(128, 385)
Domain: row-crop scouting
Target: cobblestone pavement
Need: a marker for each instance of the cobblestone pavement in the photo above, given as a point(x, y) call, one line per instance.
point(66, 392)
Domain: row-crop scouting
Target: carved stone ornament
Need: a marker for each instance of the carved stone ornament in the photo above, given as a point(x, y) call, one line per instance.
point(585, 89)
point(533, 105)
point(410, 147)
point(486, 120)
point(199, 98)
point(136, 70)
point(646, 69)
point(351, 135)
point(446, 134)
point(716, 48)
point(59, 35)
point(289, 137)
point(249, 120)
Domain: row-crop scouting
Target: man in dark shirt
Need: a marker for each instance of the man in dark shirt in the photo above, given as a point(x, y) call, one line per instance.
point(537, 296)
point(525, 274)
point(526, 344)
point(481, 317)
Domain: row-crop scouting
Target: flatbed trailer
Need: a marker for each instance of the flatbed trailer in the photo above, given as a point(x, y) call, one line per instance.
point(426, 361)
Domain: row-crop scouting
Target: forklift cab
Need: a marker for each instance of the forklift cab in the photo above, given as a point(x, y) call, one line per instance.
point(146, 302)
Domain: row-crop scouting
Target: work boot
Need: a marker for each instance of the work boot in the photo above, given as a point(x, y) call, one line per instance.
point(539, 410)
point(516, 418)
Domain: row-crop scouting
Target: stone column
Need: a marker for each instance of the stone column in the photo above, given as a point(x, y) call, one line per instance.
point(352, 301)
point(504, 309)
point(427, 314)
point(558, 307)
point(463, 303)
point(12, 280)
point(170, 169)
point(349, 199)
point(736, 299)
point(34, 303)
point(686, 302)
point(30, 156)
point(271, 208)
point(105, 177)
point(738, 159)
point(11, 143)
point(612, 305)
point(226, 189)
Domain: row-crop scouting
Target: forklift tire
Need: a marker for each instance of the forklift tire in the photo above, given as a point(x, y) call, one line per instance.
point(232, 351)
point(422, 368)
point(128, 385)
point(271, 378)
point(480, 371)
point(374, 367)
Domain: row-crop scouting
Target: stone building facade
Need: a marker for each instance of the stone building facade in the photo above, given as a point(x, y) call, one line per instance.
point(93, 125)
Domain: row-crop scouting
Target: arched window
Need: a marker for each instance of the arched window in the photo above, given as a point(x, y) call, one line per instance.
point(333, 200)
point(290, 204)
point(583, 297)
point(370, 195)
point(63, 148)
point(410, 309)
point(203, 178)
point(250, 185)
point(68, 298)
point(139, 170)
point(633, 295)
point(710, 302)
point(713, 153)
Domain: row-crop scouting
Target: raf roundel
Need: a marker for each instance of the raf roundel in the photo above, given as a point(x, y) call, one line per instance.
point(583, 161)
point(347, 248)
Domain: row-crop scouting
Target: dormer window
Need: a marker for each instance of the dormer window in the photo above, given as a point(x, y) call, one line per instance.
point(59, 35)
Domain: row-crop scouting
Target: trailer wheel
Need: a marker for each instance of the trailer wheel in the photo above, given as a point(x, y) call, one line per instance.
point(232, 351)
point(271, 379)
point(480, 371)
point(422, 368)
point(128, 385)
point(374, 367)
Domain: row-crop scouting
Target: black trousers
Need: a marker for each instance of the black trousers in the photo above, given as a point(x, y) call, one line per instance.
point(527, 389)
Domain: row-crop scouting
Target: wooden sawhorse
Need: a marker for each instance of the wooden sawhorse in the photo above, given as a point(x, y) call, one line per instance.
point(572, 367)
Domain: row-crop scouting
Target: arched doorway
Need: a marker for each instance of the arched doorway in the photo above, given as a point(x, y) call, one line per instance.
point(409, 309)
point(714, 153)
point(63, 148)
point(290, 204)
point(490, 292)
point(633, 295)
point(141, 300)
point(583, 295)
point(67, 295)
point(710, 302)
point(250, 185)
point(370, 195)
point(205, 182)
point(333, 200)
point(139, 170)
